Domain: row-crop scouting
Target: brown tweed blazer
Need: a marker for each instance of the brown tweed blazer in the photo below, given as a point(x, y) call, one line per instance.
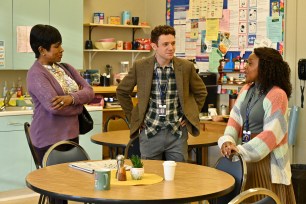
point(191, 91)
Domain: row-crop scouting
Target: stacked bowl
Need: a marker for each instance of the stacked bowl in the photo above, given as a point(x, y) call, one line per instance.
point(106, 44)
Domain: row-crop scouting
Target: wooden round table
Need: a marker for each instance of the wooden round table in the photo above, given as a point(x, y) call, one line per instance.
point(120, 138)
point(192, 183)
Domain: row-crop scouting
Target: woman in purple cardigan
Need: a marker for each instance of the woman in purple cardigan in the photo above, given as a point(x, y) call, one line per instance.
point(58, 92)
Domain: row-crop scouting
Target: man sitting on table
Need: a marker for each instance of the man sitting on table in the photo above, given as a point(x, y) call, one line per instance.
point(170, 97)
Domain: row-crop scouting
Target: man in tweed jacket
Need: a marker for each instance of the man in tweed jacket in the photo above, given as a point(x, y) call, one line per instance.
point(170, 97)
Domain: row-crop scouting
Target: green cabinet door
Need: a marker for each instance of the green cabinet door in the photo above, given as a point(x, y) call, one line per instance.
point(27, 13)
point(6, 33)
point(67, 17)
point(15, 160)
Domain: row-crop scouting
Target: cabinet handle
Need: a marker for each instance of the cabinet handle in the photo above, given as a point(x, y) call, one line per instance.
point(15, 124)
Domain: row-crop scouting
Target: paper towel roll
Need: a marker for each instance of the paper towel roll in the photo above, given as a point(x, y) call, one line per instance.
point(293, 123)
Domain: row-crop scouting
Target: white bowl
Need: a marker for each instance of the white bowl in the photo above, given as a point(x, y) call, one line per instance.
point(105, 45)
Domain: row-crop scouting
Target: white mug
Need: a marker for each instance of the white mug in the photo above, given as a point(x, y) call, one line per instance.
point(212, 112)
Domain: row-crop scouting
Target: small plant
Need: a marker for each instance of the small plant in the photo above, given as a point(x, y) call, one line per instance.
point(136, 161)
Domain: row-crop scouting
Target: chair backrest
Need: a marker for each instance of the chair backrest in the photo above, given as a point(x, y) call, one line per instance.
point(132, 148)
point(235, 166)
point(116, 122)
point(271, 198)
point(64, 152)
point(34, 155)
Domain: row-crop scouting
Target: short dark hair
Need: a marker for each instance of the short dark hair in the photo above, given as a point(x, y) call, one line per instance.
point(45, 36)
point(161, 30)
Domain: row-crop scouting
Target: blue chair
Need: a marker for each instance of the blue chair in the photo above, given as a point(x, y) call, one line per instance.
point(235, 166)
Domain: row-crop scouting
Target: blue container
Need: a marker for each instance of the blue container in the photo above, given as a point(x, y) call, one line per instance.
point(126, 18)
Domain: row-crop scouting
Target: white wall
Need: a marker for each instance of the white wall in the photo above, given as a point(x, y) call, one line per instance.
point(295, 42)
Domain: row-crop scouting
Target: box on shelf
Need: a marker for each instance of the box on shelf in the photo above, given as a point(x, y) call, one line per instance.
point(115, 20)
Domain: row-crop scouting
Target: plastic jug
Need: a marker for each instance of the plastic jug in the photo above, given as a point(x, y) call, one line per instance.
point(124, 66)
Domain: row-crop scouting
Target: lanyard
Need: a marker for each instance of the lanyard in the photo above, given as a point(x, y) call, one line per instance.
point(249, 108)
point(162, 87)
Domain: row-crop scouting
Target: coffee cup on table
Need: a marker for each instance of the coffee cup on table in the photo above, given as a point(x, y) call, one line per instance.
point(135, 20)
point(169, 170)
point(102, 179)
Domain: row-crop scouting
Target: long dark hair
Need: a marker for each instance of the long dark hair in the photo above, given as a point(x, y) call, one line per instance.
point(273, 70)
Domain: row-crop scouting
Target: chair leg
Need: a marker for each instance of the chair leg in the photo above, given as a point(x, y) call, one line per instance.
point(41, 199)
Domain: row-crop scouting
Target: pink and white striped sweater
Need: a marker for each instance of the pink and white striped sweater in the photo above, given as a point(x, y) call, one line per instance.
point(272, 140)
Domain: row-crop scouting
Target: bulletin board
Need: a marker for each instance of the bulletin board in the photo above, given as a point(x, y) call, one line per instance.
point(209, 30)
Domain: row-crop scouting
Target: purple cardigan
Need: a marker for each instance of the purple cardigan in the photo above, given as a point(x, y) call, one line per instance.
point(48, 125)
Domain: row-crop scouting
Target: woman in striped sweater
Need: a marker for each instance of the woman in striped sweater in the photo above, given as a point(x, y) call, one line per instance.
point(257, 128)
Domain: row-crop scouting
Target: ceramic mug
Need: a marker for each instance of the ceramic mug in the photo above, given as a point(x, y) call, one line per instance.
point(127, 45)
point(119, 45)
point(102, 179)
point(135, 45)
point(135, 20)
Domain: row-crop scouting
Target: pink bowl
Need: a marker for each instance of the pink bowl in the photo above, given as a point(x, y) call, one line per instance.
point(107, 40)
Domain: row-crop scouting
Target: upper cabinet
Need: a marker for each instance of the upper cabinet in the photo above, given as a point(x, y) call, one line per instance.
point(26, 14)
point(66, 16)
point(6, 33)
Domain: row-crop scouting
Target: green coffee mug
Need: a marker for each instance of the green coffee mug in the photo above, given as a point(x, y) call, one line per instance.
point(102, 179)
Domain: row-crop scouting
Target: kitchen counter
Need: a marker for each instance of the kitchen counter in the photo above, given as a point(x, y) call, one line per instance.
point(30, 112)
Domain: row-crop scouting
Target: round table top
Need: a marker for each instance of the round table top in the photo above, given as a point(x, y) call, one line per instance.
point(121, 138)
point(192, 183)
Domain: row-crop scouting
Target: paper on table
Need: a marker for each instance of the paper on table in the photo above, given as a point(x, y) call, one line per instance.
point(90, 167)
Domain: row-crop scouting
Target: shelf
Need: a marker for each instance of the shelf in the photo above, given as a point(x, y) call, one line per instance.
point(97, 50)
point(93, 52)
point(114, 26)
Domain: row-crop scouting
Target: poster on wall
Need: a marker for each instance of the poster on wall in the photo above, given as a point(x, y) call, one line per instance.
point(2, 54)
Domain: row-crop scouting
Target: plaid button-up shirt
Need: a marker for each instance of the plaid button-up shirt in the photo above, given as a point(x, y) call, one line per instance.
point(163, 80)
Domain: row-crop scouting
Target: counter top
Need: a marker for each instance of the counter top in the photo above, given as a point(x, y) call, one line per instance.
point(30, 112)
point(107, 89)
